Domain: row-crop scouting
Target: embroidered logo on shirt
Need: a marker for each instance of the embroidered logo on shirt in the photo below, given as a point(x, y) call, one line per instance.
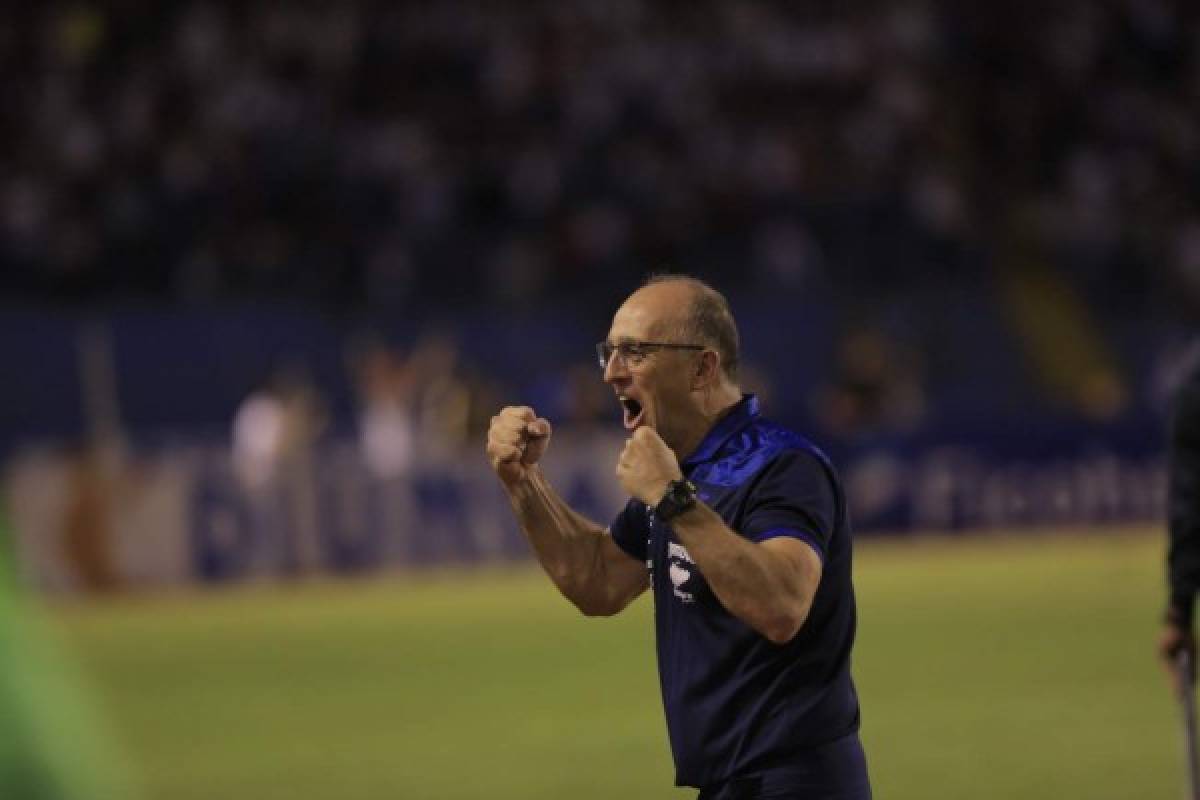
point(680, 570)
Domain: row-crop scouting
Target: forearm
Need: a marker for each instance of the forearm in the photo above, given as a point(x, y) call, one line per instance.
point(748, 580)
point(567, 544)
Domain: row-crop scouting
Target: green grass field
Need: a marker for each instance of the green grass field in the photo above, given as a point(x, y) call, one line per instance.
point(988, 668)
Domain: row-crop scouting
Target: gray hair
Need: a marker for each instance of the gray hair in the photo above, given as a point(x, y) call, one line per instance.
point(708, 319)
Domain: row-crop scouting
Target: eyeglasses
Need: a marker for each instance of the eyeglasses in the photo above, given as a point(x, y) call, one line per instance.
point(633, 353)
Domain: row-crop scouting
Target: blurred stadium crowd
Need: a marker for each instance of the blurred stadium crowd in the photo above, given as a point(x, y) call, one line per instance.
point(383, 153)
point(881, 161)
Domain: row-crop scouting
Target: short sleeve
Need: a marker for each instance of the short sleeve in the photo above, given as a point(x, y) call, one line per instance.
point(629, 531)
point(794, 496)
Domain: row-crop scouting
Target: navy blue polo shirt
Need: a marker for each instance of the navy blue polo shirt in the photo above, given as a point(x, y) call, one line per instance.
point(737, 704)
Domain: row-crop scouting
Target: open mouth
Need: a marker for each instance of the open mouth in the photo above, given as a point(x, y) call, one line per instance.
point(633, 412)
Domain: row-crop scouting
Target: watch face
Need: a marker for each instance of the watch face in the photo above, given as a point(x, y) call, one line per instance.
point(680, 496)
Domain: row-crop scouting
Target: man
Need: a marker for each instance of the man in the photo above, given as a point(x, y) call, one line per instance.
point(744, 541)
point(1183, 555)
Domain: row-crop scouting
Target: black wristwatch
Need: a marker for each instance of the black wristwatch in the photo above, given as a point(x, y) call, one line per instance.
point(679, 497)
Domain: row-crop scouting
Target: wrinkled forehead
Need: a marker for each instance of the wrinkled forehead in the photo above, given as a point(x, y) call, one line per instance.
point(646, 316)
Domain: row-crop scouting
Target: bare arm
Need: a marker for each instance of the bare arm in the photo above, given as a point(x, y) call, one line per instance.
point(581, 559)
point(769, 585)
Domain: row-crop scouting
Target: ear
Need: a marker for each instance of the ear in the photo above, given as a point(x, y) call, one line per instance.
point(707, 370)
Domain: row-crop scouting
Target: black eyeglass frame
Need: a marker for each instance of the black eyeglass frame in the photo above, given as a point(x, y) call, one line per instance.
point(604, 351)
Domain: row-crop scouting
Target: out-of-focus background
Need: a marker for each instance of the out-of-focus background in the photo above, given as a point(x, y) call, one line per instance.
point(267, 270)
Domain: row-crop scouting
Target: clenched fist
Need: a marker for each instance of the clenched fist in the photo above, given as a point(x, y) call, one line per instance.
point(646, 466)
point(517, 438)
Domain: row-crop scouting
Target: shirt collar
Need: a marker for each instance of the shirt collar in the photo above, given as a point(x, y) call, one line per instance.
point(738, 417)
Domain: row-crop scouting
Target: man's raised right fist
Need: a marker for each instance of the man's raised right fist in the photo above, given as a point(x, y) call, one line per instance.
point(517, 438)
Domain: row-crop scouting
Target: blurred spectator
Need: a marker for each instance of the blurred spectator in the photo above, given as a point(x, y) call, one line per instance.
point(210, 151)
point(385, 425)
point(275, 427)
point(87, 521)
point(876, 388)
point(442, 398)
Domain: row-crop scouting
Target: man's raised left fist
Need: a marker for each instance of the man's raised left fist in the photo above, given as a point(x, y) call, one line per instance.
point(646, 466)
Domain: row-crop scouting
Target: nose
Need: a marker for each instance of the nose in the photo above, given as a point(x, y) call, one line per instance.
point(614, 369)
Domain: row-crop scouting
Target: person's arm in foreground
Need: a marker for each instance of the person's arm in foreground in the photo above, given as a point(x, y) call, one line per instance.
point(768, 585)
point(583, 561)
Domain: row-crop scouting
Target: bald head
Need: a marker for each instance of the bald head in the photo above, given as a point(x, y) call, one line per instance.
point(697, 313)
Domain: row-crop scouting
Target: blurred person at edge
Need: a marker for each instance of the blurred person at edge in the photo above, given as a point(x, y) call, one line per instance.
point(274, 428)
point(1183, 553)
point(738, 526)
